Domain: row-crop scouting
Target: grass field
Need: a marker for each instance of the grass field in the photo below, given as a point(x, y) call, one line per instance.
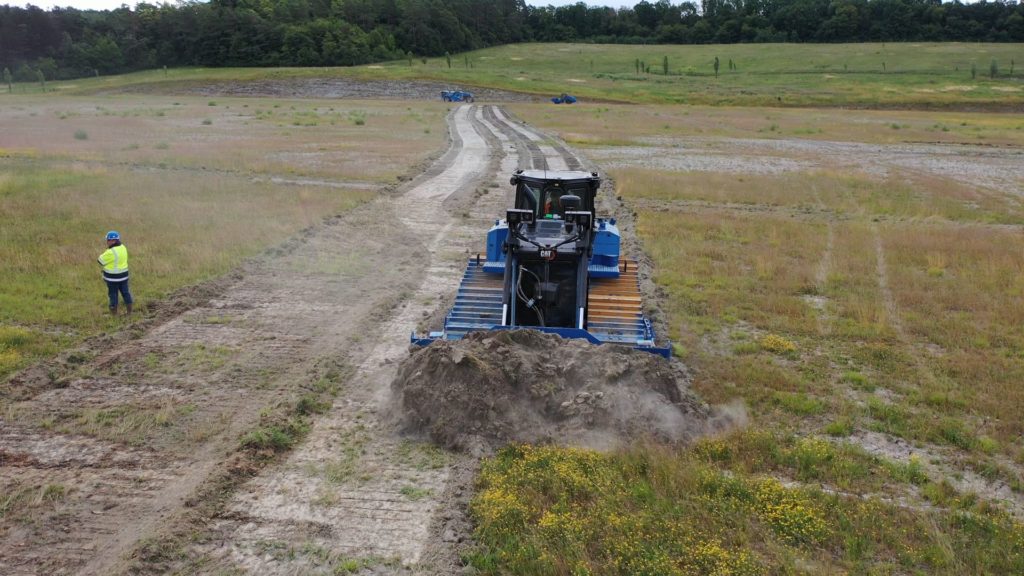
point(863, 305)
point(931, 75)
point(784, 74)
point(194, 185)
point(854, 277)
point(721, 508)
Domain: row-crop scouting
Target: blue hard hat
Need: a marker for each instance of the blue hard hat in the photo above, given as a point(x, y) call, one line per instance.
point(113, 235)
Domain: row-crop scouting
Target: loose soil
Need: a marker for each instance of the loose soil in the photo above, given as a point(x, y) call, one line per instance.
point(996, 168)
point(490, 389)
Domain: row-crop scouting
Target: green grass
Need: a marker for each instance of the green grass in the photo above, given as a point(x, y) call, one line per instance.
point(918, 74)
point(275, 438)
point(545, 510)
point(414, 493)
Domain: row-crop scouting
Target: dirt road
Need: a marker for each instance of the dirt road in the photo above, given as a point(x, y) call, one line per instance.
point(140, 424)
point(354, 490)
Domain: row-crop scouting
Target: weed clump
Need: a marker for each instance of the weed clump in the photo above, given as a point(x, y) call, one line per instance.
point(777, 345)
point(311, 404)
point(277, 437)
point(12, 340)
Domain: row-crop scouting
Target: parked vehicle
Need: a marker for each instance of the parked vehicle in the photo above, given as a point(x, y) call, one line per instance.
point(456, 96)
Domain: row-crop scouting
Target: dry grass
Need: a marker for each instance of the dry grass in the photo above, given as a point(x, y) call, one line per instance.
point(735, 267)
point(28, 503)
point(191, 199)
point(838, 303)
point(888, 280)
point(179, 230)
point(857, 306)
point(925, 310)
point(252, 136)
point(848, 193)
point(602, 125)
point(959, 292)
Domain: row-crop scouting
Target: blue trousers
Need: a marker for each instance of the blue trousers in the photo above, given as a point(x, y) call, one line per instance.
point(114, 287)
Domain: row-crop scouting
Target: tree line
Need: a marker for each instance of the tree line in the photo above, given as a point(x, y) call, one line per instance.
point(66, 43)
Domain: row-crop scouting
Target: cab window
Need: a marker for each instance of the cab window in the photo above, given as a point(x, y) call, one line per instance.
point(528, 196)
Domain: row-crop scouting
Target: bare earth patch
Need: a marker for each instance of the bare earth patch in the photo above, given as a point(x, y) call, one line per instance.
point(354, 89)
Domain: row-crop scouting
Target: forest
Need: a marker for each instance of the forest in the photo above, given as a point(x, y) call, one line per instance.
point(64, 43)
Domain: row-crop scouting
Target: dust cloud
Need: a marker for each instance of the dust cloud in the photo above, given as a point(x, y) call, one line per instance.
point(493, 388)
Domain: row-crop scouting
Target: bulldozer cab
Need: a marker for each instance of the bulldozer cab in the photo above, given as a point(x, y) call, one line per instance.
point(541, 191)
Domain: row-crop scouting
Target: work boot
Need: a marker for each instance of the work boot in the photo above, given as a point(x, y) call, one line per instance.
point(128, 309)
point(113, 311)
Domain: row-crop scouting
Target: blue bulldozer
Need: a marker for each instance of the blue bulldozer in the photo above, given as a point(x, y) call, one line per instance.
point(552, 265)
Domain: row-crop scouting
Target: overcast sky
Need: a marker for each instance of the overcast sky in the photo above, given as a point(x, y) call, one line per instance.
point(110, 4)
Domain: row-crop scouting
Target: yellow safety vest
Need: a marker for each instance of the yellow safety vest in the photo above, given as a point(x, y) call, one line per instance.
point(115, 263)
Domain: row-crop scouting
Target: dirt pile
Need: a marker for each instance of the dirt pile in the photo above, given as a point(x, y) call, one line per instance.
point(525, 386)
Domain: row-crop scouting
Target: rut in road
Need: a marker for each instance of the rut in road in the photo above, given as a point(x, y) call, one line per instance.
point(355, 490)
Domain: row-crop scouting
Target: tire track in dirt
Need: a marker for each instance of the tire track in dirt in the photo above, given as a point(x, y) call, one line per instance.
point(881, 272)
point(544, 156)
point(355, 491)
point(818, 301)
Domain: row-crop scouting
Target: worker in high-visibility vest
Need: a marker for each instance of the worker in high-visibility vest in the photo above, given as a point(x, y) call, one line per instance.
point(115, 272)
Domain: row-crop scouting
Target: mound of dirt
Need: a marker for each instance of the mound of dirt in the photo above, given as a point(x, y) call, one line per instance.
point(492, 388)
